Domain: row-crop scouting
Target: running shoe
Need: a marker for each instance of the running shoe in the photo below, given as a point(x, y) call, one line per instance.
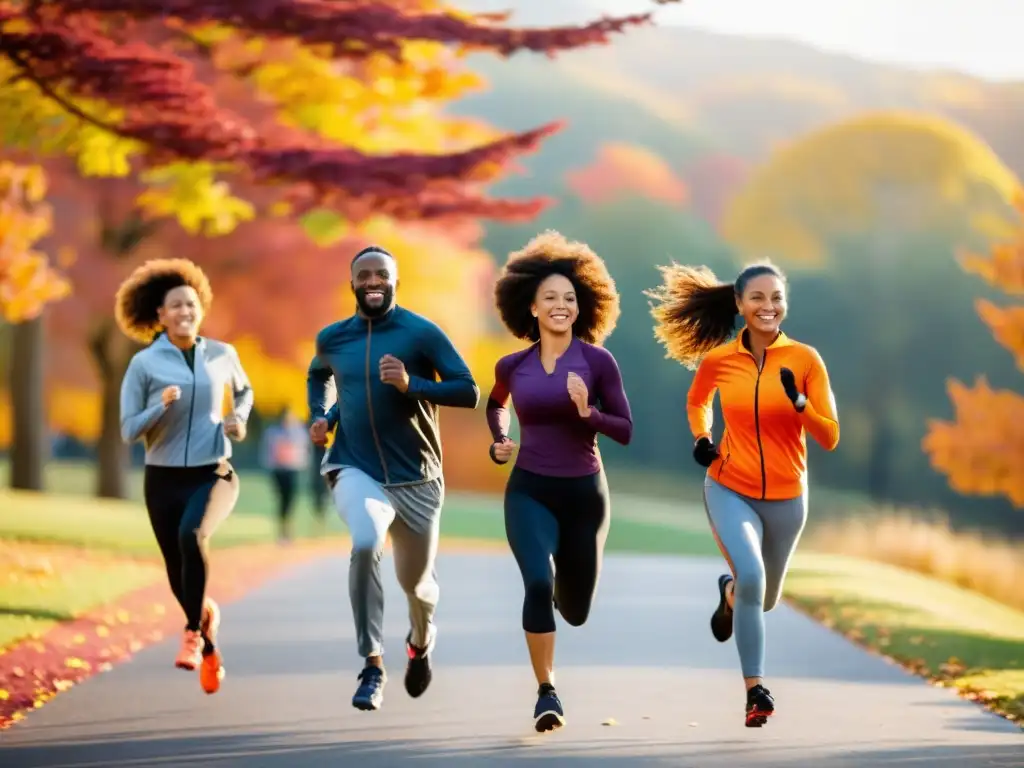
point(760, 706)
point(721, 619)
point(211, 671)
point(370, 693)
point(548, 714)
point(190, 655)
point(418, 672)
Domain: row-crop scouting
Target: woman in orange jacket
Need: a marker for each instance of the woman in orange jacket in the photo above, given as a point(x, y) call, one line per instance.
point(773, 390)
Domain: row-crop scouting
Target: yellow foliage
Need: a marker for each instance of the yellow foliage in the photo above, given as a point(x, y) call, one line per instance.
point(192, 193)
point(27, 281)
point(829, 182)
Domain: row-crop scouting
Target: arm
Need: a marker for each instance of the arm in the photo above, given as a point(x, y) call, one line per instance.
point(319, 378)
point(819, 414)
point(699, 399)
point(136, 418)
point(456, 387)
point(615, 420)
point(498, 417)
point(241, 389)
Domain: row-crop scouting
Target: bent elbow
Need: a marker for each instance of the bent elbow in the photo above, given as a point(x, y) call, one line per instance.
point(472, 399)
point(627, 434)
point(831, 441)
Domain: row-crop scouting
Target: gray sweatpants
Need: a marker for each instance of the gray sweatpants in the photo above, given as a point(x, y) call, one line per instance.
point(412, 515)
point(758, 539)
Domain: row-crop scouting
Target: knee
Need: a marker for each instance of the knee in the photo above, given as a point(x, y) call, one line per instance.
point(574, 615)
point(750, 586)
point(191, 541)
point(538, 611)
point(367, 544)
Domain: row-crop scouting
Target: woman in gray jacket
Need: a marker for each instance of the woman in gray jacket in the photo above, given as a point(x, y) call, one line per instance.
point(173, 399)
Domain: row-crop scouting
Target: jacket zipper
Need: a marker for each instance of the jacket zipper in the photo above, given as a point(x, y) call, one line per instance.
point(757, 424)
point(191, 407)
point(369, 403)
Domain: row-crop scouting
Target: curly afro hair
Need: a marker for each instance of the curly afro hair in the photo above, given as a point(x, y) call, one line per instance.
point(550, 253)
point(142, 294)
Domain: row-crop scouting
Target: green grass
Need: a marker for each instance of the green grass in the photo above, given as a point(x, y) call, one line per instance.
point(40, 587)
point(66, 514)
point(936, 629)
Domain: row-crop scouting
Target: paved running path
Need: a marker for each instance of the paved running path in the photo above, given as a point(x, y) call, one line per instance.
point(646, 659)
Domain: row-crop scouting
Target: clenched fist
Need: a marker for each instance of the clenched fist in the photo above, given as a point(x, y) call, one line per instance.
point(392, 371)
point(170, 394)
point(578, 394)
point(318, 432)
point(502, 452)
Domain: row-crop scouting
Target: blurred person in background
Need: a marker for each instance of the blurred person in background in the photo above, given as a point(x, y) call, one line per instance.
point(773, 391)
point(566, 390)
point(384, 466)
point(284, 452)
point(172, 399)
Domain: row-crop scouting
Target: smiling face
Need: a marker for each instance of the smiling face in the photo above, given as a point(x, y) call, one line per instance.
point(763, 304)
point(374, 280)
point(555, 306)
point(181, 313)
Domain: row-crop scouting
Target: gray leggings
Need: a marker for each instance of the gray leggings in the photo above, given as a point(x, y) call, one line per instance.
point(758, 539)
point(412, 515)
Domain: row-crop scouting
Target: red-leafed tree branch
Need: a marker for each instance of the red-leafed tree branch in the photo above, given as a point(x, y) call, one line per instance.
point(69, 49)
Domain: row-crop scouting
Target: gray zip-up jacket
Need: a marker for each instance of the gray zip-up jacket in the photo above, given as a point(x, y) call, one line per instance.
point(189, 432)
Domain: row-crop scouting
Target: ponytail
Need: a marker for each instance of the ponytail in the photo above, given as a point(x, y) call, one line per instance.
point(695, 314)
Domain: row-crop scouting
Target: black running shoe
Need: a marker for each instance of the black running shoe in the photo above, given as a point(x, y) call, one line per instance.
point(370, 693)
point(418, 673)
point(721, 619)
point(760, 706)
point(548, 714)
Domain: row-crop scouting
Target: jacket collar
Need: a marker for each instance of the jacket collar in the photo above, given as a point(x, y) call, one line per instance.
point(162, 342)
point(782, 340)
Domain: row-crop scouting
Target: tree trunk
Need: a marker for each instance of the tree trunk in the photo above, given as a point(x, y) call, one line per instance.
point(28, 406)
point(111, 352)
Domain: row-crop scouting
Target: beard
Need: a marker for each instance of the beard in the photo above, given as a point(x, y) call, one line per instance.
point(375, 310)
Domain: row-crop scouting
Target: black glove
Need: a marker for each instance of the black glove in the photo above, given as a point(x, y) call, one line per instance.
point(789, 384)
point(705, 452)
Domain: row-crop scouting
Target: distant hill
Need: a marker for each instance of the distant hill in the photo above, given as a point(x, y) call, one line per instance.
point(682, 93)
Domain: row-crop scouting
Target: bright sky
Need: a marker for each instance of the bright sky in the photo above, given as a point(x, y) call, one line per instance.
point(979, 37)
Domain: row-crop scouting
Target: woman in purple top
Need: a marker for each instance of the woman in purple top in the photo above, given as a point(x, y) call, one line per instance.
point(565, 390)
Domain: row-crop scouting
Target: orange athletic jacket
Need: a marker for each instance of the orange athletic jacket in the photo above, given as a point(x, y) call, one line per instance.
point(763, 450)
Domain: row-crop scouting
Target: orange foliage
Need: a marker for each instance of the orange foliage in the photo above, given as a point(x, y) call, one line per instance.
point(27, 281)
point(981, 451)
point(622, 169)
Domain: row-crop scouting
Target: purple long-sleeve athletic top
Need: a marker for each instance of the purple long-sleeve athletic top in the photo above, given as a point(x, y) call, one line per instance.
point(554, 439)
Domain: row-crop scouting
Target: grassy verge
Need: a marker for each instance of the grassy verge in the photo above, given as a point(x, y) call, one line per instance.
point(945, 633)
point(926, 544)
point(69, 552)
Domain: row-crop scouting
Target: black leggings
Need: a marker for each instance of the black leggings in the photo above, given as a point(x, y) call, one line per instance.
point(286, 481)
point(186, 504)
point(557, 528)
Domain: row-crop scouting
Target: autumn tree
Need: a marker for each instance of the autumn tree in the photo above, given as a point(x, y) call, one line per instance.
point(27, 281)
point(870, 185)
point(981, 451)
point(311, 101)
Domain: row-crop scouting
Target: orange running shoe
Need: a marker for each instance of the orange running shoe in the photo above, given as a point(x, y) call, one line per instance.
point(190, 655)
point(211, 672)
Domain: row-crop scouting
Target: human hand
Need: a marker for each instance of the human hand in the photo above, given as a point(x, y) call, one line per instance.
point(789, 384)
point(502, 451)
point(705, 452)
point(318, 431)
point(234, 428)
point(578, 394)
point(392, 371)
point(170, 394)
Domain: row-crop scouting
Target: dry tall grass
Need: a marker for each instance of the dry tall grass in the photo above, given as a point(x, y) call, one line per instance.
point(925, 543)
